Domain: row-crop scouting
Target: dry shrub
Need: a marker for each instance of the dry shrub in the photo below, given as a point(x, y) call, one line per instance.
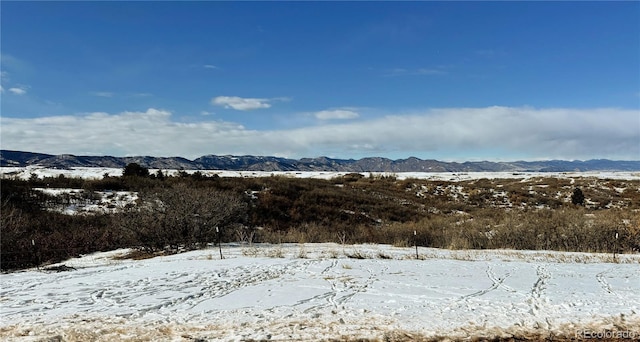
point(276, 252)
point(333, 254)
point(183, 216)
point(182, 212)
point(302, 252)
point(250, 251)
point(357, 254)
point(401, 243)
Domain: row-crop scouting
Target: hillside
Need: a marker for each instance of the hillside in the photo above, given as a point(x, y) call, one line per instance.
point(267, 163)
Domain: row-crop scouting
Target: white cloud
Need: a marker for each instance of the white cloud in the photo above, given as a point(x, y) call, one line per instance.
point(102, 93)
point(532, 133)
point(140, 95)
point(415, 72)
point(336, 114)
point(526, 133)
point(209, 66)
point(239, 103)
point(18, 90)
point(129, 133)
point(246, 103)
point(424, 71)
point(1, 89)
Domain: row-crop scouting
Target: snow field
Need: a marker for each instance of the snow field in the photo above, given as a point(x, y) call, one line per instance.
point(99, 172)
point(316, 292)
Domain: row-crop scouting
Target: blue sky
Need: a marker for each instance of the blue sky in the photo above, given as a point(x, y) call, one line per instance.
point(442, 80)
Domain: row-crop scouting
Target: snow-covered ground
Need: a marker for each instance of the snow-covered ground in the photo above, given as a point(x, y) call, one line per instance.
point(98, 202)
point(317, 292)
point(99, 172)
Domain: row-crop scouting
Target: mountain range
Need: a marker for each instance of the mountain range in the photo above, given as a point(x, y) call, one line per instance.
point(260, 163)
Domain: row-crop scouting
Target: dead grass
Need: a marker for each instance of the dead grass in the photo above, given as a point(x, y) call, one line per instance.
point(302, 252)
point(251, 251)
point(383, 255)
point(357, 254)
point(276, 252)
point(333, 254)
point(120, 329)
point(139, 254)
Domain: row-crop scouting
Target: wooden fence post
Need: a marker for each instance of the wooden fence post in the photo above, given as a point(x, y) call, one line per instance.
point(219, 243)
point(415, 242)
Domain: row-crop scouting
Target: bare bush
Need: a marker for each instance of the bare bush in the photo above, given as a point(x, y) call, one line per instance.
point(183, 216)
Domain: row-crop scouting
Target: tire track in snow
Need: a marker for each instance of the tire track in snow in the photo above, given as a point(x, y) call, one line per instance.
point(330, 267)
point(343, 288)
point(496, 283)
point(321, 297)
point(499, 280)
point(99, 296)
point(187, 290)
point(604, 284)
point(356, 287)
point(327, 299)
point(249, 276)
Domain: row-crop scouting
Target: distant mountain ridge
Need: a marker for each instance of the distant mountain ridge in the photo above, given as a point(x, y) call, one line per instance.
point(260, 163)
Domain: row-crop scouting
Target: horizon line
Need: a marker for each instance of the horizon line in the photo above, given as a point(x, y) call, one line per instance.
point(323, 156)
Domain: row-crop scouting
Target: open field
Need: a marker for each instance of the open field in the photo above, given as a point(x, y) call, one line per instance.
point(319, 257)
point(321, 292)
point(99, 172)
point(49, 216)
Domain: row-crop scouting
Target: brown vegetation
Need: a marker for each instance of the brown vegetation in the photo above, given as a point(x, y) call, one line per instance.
point(177, 213)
